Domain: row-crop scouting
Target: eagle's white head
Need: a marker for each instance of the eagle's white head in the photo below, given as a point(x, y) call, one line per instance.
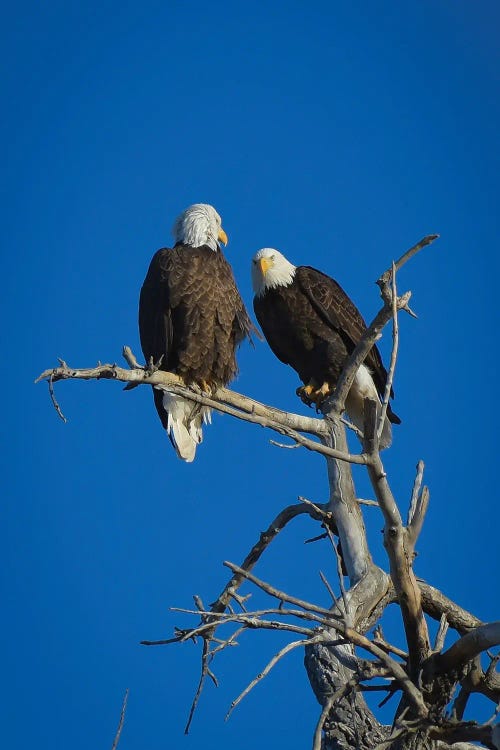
point(270, 269)
point(200, 224)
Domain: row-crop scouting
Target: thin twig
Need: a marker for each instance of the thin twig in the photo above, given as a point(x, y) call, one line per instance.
point(441, 634)
point(121, 722)
point(212, 620)
point(340, 574)
point(383, 281)
point(53, 399)
point(415, 249)
point(394, 354)
point(317, 538)
point(318, 509)
point(370, 503)
point(231, 641)
point(351, 426)
point(205, 671)
point(230, 590)
point(413, 693)
point(415, 491)
point(373, 332)
point(266, 537)
point(223, 618)
point(328, 587)
point(285, 650)
point(130, 358)
point(282, 445)
point(379, 639)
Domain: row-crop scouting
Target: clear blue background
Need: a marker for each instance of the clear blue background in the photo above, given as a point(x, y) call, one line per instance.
point(338, 132)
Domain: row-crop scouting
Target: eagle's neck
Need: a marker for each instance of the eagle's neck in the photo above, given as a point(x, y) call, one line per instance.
point(281, 274)
point(194, 232)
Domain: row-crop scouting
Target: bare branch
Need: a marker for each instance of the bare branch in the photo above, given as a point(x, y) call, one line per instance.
point(247, 618)
point(224, 401)
point(144, 376)
point(417, 521)
point(265, 539)
point(370, 503)
point(379, 640)
point(465, 731)
point(415, 491)
point(230, 590)
point(205, 672)
point(283, 445)
point(469, 646)
point(283, 597)
point(370, 337)
point(373, 332)
point(435, 604)
point(418, 508)
point(130, 358)
point(328, 587)
point(460, 703)
point(427, 240)
point(441, 634)
point(285, 650)
point(121, 722)
point(396, 544)
point(413, 693)
point(54, 400)
point(491, 671)
point(394, 355)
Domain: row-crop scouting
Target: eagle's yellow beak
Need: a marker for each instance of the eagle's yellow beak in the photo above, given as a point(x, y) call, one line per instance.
point(222, 236)
point(265, 264)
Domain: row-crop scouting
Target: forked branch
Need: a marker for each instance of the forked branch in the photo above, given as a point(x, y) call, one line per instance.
point(399, 553)
point(223, 400)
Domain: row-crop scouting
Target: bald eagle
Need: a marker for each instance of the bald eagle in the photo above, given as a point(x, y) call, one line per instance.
point(192, 316)
point(311, 324)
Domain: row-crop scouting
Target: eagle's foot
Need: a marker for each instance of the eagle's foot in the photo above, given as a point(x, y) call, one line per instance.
point(206, 388)
point(203, 388)
point(305, 393)
point(321, 394)
point(310, 394)
point(153, 366)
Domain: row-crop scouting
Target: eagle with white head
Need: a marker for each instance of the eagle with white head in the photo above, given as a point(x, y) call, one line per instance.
point(312, 325)
point(191, 316)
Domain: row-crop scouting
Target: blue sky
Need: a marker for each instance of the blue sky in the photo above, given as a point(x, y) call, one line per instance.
point(340, 133)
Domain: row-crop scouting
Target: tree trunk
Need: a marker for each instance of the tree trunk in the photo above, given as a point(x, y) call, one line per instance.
point(350, 724)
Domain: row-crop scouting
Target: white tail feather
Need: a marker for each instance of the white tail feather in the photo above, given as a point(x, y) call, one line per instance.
point(364, 387)
point(184, 425)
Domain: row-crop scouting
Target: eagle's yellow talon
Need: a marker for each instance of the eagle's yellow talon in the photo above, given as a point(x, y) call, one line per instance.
point(304, 393)
point(205, 387)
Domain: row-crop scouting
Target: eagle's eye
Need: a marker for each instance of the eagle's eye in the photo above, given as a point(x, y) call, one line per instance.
point(254, 261)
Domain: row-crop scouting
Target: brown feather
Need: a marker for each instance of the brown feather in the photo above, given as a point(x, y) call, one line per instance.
point(313, 325)
point(191, 313)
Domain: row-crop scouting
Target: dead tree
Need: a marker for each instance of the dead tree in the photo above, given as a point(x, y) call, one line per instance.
point(341, 659)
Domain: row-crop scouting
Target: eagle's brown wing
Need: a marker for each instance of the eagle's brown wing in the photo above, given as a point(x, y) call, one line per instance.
point(192, 314)
point(155, 315)
point(337, 310)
